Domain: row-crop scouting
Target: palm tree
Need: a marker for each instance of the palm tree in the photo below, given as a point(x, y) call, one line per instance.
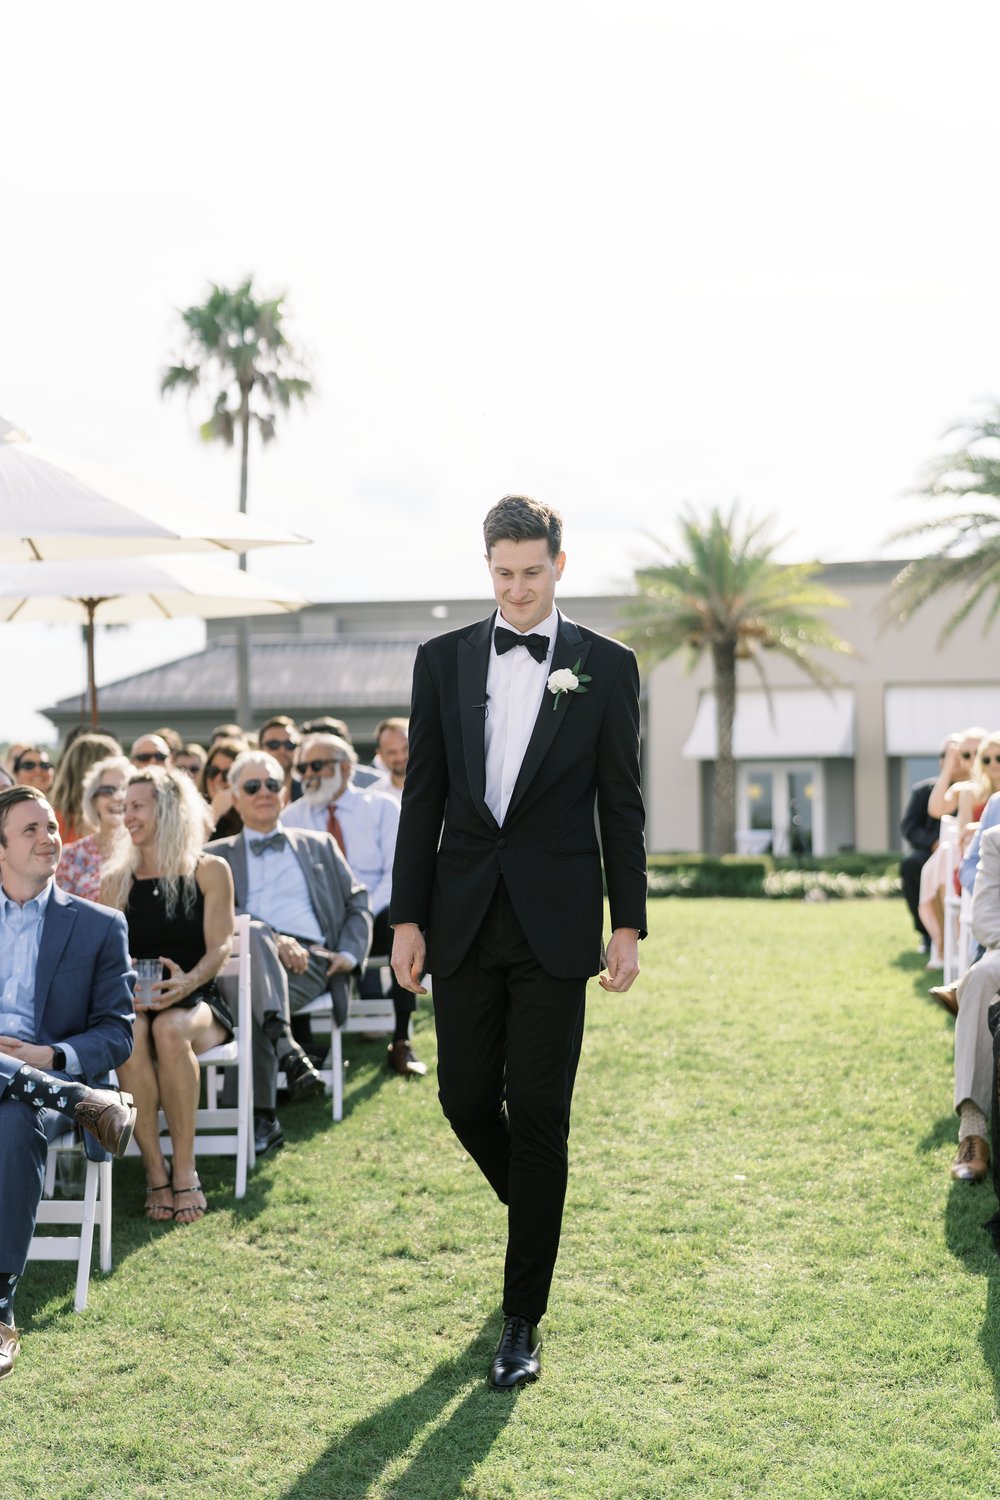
point(967, 539)
point(236, 350)
point(723, 592)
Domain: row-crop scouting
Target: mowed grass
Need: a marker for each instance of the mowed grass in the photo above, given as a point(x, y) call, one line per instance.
point(767, 1285)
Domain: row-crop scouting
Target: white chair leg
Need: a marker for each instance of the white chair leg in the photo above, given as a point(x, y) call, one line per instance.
point(104, 1216)
point(337, 1066)
point(86, 1237)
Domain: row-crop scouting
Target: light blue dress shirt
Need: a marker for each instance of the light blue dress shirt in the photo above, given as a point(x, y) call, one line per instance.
point(20, 937)
point(277, 892)
point(990, 818)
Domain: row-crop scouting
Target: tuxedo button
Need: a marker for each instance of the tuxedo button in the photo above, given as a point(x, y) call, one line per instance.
point(501, 843)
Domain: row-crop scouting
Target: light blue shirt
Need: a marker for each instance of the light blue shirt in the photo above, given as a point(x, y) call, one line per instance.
point(276, 890)
point(369, 823)
point(20, 937)
point(990, 818)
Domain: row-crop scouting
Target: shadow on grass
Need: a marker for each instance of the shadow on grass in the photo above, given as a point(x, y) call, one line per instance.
point(944, 1133)
point(967, 1210)
point(353, 1463)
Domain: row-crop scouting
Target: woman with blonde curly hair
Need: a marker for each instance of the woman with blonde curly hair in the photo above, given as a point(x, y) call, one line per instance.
point(178, 902)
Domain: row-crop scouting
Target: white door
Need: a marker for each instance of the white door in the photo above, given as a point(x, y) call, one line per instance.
point(779, 808)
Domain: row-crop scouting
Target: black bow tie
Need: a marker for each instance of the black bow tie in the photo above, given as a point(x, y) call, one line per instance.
point(272, 841)
point(503, 640)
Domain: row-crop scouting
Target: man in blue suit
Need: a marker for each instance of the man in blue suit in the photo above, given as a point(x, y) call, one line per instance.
point(65, 1021)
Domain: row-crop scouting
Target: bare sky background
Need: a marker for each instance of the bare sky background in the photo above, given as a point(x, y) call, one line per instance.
point(622, 256)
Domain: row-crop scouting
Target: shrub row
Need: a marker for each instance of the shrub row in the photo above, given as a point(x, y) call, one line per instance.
point(760, 875)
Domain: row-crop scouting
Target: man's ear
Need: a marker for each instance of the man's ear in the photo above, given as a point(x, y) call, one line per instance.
point(560, 563)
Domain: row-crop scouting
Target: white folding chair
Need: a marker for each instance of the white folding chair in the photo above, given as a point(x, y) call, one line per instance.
point(377, 1014)
point(955, 954)
point(222, 1130)
point(93, 1209)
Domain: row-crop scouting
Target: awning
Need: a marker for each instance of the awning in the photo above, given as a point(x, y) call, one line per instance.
point(806, 722)
point(917, 719)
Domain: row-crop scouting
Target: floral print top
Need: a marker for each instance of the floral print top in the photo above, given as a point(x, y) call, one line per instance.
point(79, 869)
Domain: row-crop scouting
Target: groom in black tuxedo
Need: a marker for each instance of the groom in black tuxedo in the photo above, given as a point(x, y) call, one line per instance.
point(503, 904)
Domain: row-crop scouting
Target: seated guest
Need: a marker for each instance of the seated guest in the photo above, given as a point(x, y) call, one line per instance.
point(67, 788)
point(311, 923)
point(973, 1042)
point(190, 758)
point(102, 809)
point(956, 770)
point(280, 737)
point(178, 902)
point(392, 741)
point(65, 1022)
point(149, 750)
point(33, 767)
point(214, 785)
point(958, 759)
point(365, 825)
point(921, 832)
point(363, 775)
point(13, 751)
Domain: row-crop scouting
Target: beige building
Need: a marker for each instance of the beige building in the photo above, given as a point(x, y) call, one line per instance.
point(817, 771)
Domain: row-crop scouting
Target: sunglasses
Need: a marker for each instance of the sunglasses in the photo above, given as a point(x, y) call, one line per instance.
point(149, 755)
point(280, 744)
point(110, 791)
point(967, 754)
point(33, 765)
point(213, 771)
point(991, 760)
point(253, 785)
point(317, 765)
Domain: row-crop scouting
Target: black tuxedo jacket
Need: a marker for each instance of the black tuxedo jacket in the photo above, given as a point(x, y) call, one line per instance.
point(583, 752)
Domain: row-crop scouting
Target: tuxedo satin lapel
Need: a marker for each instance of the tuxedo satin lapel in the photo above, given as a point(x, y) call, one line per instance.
point(570, 648)
point(60, 917)
point(473, 665)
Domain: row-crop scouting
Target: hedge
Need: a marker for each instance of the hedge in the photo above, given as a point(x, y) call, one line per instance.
point(835, 876)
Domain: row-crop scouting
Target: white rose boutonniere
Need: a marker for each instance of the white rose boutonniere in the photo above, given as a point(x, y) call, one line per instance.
point(566, 681)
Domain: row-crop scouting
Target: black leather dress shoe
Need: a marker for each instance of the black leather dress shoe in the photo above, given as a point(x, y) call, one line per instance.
point(302, 1078)
point(518, 1358)
point(267, 1135)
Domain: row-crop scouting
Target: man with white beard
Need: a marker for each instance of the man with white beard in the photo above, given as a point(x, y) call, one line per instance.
point(364, 823)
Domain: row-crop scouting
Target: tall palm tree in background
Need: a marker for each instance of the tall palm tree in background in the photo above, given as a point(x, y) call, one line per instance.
point(721, 591)
point(236, 351)
point(967, 539)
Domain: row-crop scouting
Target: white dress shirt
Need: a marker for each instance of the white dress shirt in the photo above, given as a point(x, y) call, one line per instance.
point(369, 823)
point(515, 686)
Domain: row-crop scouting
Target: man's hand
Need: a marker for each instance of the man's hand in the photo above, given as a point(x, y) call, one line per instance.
point(623, 960)
point(292, 954)
point(409, 952)
point(27, 1052)
point(336, 963)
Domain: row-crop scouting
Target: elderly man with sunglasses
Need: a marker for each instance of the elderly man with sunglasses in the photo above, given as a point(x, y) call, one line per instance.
point(150, 750)
point(311, 929)
point(364, 822)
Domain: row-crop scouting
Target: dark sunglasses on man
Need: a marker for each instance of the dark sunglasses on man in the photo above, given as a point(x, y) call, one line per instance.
point(317, 765)
point(148, 756)
point(253, 784)
point(273, 745)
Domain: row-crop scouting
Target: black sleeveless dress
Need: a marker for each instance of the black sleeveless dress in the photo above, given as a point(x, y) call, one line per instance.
point(181, 937)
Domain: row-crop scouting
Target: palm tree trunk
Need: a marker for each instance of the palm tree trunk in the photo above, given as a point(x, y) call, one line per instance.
point(724, 790)
point(243, 633)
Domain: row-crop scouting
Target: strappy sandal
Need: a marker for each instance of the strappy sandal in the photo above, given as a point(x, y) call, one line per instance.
point(198, 1209)
point(159, 1213)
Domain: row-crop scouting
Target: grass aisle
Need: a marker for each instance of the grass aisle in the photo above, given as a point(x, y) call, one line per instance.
point(768, 1285)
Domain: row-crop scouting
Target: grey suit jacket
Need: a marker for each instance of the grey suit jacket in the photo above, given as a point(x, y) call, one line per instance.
point(339, 901)
point(986, 896)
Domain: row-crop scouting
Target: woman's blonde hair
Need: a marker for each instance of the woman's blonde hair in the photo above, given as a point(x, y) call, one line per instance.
point(95, 778)
point(86, 750)
point(978, 775)
point(183, 823)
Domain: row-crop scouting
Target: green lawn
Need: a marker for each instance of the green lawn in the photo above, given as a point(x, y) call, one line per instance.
point(768, 1284)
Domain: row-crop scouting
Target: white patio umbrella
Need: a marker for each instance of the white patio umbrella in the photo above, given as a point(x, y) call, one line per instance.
point(53, 506)
point(128, 590)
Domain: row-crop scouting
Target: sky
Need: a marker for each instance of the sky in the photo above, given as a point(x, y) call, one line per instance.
point(627, 257)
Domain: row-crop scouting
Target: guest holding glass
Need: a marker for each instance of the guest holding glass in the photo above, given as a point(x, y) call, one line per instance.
point(214, 786)
point(102, 809)
point(178, 902)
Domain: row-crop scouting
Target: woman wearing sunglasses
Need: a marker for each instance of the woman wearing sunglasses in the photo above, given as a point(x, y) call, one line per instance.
point(32, 767)
point(214, 787)
point(957, 792)
point(178, 902)
point(102, 809)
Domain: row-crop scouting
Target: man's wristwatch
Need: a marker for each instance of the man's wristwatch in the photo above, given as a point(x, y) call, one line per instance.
point(59, 1059)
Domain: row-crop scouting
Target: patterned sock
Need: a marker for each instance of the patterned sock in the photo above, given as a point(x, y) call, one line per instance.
point(42, 1091)
point(8, 1283)
point(971, 1120)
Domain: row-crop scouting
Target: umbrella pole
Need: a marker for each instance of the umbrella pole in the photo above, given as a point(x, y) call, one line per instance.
point(90, 605)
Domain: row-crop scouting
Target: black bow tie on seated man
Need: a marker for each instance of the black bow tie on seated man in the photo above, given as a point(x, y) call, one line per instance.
point(503, 640)
point(272, 841)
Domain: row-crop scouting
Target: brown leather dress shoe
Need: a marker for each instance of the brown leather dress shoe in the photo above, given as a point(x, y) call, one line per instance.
point(10, 1347)
point(403, 1059)
point(973, 1160)
point(946, 995)
point(109, 1116)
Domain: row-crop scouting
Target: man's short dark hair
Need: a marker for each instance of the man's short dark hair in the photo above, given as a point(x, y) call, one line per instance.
point(10, 798)
point(279, 721)
point(327, 725)
point(518, 518)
